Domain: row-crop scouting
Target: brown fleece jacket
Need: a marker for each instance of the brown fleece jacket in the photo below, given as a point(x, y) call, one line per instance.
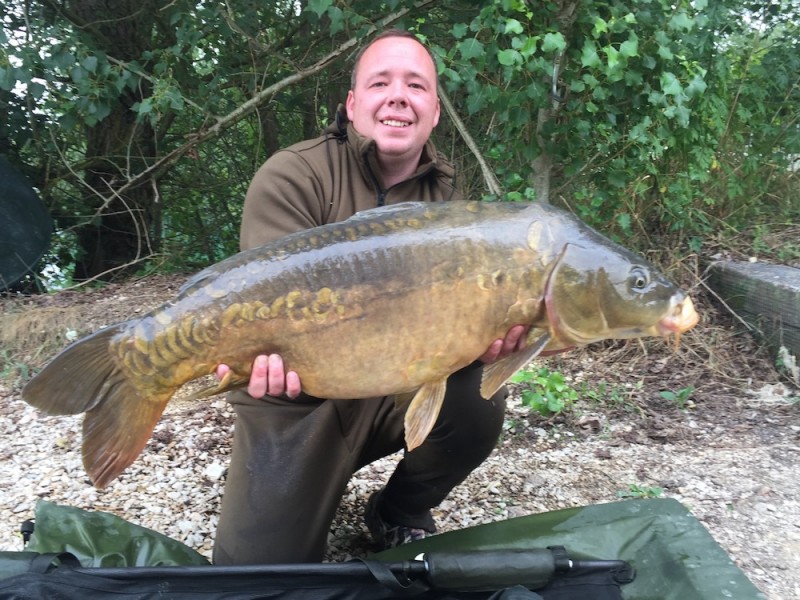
point(330, 178)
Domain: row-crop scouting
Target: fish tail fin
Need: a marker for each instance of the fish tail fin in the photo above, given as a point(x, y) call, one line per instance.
point(116, 431)
point(119, 419)
point(77, 379)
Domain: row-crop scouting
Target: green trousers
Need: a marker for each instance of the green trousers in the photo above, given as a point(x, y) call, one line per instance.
point(292, 460)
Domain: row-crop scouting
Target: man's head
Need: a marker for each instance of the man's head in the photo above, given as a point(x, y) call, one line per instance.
point(393, 97)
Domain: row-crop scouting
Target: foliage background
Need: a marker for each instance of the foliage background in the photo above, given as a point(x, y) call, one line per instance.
point(672, 126)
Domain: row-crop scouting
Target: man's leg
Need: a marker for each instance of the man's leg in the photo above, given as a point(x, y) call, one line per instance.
point(465, 433)
point(290, 465)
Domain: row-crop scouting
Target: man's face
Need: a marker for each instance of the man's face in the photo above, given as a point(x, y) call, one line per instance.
point(394, 100)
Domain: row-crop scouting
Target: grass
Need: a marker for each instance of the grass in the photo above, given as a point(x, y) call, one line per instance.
point(31, 336)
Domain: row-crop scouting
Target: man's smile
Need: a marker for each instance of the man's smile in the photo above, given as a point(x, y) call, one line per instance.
point(395, 123)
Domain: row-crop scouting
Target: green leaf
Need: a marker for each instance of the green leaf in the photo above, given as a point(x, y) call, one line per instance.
point(90, 63)
point(600, 27)
point(619, 180)
point(612, 55)
point(665, 53)
point(589, 56)
point(7, 79)
point(459, 30)
point(681, 21)
point(528, 48)
point(513, 26)
point(509, 57)
point(144, 107)
point(36, 90)
point(319, 7)
point(451, 75)
point(577, 86)
point(629, 48)
point(696, 86)
point(553, 42)
point(101, 111)
point(471, 48)
point(336, 17)
point(77, 74)
point(670, 84)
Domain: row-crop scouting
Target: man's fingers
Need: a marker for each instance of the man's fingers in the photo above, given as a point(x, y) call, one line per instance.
point(258, 377)
point(222, 370)
point(512, 339)
point(292, 384)
point(492, 352)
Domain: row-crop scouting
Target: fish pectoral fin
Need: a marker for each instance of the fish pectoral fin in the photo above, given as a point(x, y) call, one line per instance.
point(230, 381)
point(423, 412)
point(497, 373)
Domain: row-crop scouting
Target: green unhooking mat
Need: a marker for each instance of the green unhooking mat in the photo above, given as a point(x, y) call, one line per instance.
point(673, 556)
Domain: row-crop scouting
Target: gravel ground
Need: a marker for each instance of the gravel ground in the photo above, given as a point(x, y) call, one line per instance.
point(743, 488)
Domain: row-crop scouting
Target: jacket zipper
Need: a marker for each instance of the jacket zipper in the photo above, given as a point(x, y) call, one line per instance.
point(381, 196)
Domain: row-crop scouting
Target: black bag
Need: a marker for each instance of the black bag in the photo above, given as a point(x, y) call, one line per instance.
point(481, 575)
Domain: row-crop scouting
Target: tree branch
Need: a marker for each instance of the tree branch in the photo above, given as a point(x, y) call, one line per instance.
point(260, 98)
point(492, 184)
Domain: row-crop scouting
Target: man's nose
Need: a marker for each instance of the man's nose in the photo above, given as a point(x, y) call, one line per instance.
point(397, 94)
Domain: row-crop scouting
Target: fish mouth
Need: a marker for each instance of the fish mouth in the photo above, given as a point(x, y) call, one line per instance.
point(680, 320)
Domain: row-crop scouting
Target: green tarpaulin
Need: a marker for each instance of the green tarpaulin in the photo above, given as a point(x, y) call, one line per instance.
point(674, 556)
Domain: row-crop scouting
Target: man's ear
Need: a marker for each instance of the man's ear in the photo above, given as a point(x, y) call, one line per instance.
point(349, 103)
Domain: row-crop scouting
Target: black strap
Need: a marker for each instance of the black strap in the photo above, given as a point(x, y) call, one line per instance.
point(384, 575)
point(46, 561)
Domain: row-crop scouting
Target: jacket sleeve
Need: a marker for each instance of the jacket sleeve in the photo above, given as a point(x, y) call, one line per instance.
point(284, 197)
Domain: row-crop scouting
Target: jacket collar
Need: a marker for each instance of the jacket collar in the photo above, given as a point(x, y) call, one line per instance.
point(365, 149)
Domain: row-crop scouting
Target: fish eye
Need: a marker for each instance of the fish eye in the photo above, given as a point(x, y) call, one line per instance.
point(639, 278)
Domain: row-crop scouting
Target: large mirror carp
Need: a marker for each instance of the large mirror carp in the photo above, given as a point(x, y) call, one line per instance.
point(391, 301)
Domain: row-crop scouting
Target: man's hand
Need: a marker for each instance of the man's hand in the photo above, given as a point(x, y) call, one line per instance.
point(268, 377)
point(514, 341)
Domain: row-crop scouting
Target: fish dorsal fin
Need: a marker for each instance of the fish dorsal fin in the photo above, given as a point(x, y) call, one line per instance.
point(497, 373)
point(387, 210)
point(199, 279)
point(423, 412)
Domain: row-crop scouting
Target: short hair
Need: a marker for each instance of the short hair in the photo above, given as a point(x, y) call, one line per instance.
point(390, 33)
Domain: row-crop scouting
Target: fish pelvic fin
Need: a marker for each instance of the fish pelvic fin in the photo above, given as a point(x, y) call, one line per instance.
point(119, 418)
point(497, 373)
point(230, 381)
point(423, 412)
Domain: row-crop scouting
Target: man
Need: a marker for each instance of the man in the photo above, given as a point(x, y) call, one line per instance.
point(294, 454)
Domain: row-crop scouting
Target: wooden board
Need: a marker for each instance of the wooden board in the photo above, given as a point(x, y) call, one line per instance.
point(765, 296)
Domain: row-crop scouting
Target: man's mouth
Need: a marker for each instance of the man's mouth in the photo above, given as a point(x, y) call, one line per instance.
point(395, 123)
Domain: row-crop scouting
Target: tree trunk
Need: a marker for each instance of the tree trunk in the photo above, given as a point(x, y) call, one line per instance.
point(124, 226)
point(542, 165)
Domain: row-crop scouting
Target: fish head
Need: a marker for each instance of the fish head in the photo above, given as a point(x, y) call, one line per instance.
point(601, 291)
